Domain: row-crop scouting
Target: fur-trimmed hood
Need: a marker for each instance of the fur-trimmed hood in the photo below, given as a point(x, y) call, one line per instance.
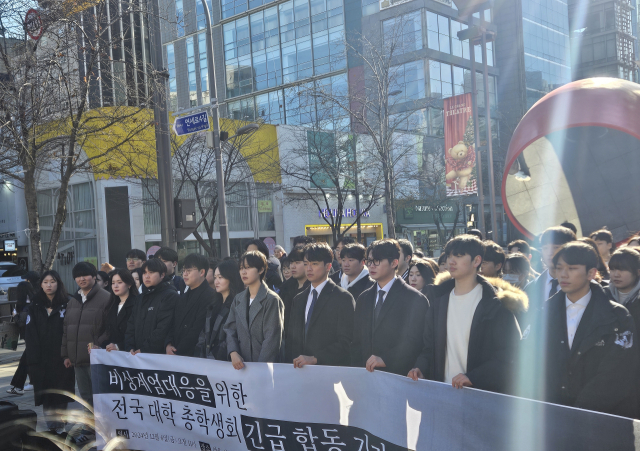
point(514, 299)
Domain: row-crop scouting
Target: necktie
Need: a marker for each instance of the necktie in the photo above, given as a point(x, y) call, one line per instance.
point(314, 293)
point(376, 312)
point(554, 288)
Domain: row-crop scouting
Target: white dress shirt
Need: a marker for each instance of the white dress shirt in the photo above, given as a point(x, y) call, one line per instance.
point(575, 310)
point(310, 298)
point(386, 289)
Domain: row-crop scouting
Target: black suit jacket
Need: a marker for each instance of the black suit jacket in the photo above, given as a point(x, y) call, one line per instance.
point(493, 339)
point(600, 370)
point(336, 276)
point(178, 283)
point(288, 291)
point(117, 322)
point(397, 335)
point(189, 317)
point(330, 327)
point(360, 286)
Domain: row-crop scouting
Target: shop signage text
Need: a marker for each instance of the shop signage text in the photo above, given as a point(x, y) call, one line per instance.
point(346, 213)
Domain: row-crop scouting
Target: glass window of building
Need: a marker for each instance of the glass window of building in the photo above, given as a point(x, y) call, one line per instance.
point(436, 122)
point(270, 107)
point(179, 18)
point(191, 70)
point(232, 7)
point(266, 218)
point(239, 207)
point(438, 34)
point(404, 33)
point(440, 80)
point(237, 45)
point(173, 88)
point(204, 68)
point(409, 79)
point(200, 17)
point(458, 47)
point(243, 109)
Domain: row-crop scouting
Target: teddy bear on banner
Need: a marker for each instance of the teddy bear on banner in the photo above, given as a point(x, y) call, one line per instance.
point(461, 160)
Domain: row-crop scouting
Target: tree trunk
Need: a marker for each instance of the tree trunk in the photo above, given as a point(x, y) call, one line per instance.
point(58, 222)
point(388, 201)
point(31, 199)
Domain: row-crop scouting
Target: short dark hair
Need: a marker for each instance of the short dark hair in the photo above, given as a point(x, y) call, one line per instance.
point(426, 270)
point(285, 262)
point(493, 253)
point(345, 240)
point(603, 235)
point(318, 252)
point(354, 250)
point(442, 259)
point(32, 277)
point(522, 245)
point(262, 247)
point(297, 253)
point(477, 233)
point(167, 254)
point(303, 239)
point(465, 245)
point(625, 259)
point(578, 253)
point(406, 246)
point(255, 259)
point(154, 265)
point(557, 235)
point(518, 263)
point(418, 253)
point(196, 261)
point(213, 263)
point(83, 269)
point(137, 253)
point(104, 276)
point(570, 226)
point(386, 249)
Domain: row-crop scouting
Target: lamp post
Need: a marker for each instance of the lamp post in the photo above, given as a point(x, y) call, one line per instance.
point(213, 137)
point(163, 144)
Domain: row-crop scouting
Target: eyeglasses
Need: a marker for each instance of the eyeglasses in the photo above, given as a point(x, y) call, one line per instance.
point(189, 271)
point(129, 260)
point(373, 262)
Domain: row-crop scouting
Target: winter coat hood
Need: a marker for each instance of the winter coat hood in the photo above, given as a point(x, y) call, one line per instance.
point(514, 299)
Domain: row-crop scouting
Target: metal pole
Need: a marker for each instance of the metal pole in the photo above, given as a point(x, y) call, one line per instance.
point(474, 97)
point(356, 191)
point(485, 76)
point(163, 144)
point(214, 138)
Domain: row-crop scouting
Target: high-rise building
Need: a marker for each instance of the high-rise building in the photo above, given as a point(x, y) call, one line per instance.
point(603, 38)
point(533, 53)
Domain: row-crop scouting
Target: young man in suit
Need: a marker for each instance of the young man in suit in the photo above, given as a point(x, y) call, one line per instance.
point(191, 310)
point(546, 284)
point(321, 321)
point(470, 337)
point(338, 270)
point(296, 283)
point(406, 254)
point(389, 317)
point(355, 278)
point(582, 353)
point(170, 258)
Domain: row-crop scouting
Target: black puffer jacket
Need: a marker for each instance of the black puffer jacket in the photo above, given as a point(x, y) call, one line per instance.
point(84, 324)
point(151, 319)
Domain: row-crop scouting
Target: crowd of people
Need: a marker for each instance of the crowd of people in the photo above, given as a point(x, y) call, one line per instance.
point(555, 322)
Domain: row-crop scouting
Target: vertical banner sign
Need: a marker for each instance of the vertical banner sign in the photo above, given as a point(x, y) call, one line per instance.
point(460, 155)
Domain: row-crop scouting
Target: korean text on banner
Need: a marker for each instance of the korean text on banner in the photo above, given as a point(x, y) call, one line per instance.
point(165, 403)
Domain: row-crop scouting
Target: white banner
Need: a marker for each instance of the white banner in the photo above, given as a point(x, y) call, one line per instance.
point(164, 403)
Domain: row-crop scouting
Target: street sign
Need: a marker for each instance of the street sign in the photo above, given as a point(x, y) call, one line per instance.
point(33, 24)
point(193, 123)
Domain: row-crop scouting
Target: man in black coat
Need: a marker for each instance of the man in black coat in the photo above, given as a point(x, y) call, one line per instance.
point(170, 258)
point(321, 321)
point(152, 315)
point(546, 284)
point(296, 284)
point(582, 351)
point(470, 336)
point(355, 277)
point(389, 317)
point(337, 271)
point(191, 310)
